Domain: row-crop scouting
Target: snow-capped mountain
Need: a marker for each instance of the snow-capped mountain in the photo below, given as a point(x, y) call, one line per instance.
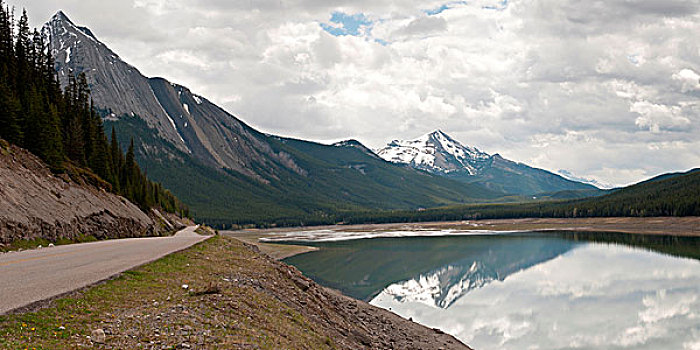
point(440, 154)
point(436, 152)
point(357, 145)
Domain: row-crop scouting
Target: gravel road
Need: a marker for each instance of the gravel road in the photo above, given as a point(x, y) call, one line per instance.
point(34, 275)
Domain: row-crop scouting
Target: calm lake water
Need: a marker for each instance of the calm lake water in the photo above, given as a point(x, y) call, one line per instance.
point(551, 290)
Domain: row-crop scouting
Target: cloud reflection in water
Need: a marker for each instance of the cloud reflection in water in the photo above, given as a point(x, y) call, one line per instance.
point(595, 296)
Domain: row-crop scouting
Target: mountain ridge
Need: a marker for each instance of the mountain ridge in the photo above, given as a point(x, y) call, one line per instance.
point(439, 153)
point(228, 172)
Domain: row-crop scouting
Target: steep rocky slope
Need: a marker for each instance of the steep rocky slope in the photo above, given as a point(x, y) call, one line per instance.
point(34, 203)
point(184, 120)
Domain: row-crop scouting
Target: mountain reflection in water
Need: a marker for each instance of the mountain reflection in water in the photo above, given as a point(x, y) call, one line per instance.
point(443, 267)
point(552, 290)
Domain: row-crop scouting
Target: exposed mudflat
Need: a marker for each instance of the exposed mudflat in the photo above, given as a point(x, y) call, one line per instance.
point(679, 226)
point(275, 251)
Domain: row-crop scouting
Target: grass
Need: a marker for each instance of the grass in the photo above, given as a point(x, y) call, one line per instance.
point(223, 307)
point(27, 244)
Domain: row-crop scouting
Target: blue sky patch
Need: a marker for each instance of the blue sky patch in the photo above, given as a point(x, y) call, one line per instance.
point(438, 10)
point(346, 24)
point(501, 6)
point(443, 8)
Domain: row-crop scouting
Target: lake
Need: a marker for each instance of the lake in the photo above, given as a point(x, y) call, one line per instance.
point(522, 290)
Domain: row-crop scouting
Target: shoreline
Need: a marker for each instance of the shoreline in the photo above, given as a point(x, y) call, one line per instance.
point(674, 226)
point(219, 294)
point(273, 250)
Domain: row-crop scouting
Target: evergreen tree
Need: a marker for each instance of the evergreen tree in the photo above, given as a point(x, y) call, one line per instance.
point(62, 126)
point(7, 52)
point(22, 44)
point(10, 128)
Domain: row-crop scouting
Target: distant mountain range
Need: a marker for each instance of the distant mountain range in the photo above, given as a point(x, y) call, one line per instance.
point(571, 176)
point(227, 172)
point(440, 154)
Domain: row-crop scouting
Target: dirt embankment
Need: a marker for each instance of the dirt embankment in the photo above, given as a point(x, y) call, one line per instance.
point(36, 204)
point(219, 294)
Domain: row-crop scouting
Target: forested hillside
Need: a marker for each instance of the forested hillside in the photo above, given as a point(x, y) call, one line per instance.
point(665, 195)
point(229, 173)
point(61, 126)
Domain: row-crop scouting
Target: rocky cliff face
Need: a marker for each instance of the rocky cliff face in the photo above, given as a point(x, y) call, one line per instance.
point(34, 203)
point(76, 50)
point(185, 120)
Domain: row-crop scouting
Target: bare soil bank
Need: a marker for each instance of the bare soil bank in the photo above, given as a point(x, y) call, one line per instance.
point(235, 298)
point(37, 204)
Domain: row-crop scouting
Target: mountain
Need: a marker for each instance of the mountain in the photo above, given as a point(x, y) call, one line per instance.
point(673, 194)
point(440, 154)
point(190, 123)
point(571, 176)
point(227, 172)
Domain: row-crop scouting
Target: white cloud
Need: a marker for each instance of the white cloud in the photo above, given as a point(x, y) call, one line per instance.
point(495, 74)
point(689, 80)
point(658, 117)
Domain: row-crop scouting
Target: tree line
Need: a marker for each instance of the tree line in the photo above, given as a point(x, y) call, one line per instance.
point(672, 195)
point(61, 126)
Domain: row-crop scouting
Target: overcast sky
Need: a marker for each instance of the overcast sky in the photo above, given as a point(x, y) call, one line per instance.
point(605, 89)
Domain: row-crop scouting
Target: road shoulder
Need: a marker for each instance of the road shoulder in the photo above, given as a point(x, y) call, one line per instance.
point(218, 294)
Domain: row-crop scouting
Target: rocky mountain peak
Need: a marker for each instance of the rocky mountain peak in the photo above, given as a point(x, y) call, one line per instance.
point(439, 153)
point(190, 123)
point(61, 16)
point(436, 152)
point(115, 85)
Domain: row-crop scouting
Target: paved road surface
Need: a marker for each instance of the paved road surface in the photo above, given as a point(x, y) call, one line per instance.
point(34, 275)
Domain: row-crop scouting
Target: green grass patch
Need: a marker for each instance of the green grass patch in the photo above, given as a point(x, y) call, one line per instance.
point(27, 244)
point(149, 305)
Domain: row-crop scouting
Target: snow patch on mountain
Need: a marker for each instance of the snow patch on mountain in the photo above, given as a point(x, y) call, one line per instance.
point(571, 176)
point(68, 50)
point(435, 151)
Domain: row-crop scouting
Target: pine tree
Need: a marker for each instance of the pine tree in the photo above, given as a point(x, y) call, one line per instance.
point(73, 129)
point(10, 128)
point(32, 124)
point(52, 146)
point(63, 125)
point(117, 158)
point(22, 44)
point(7, 52)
